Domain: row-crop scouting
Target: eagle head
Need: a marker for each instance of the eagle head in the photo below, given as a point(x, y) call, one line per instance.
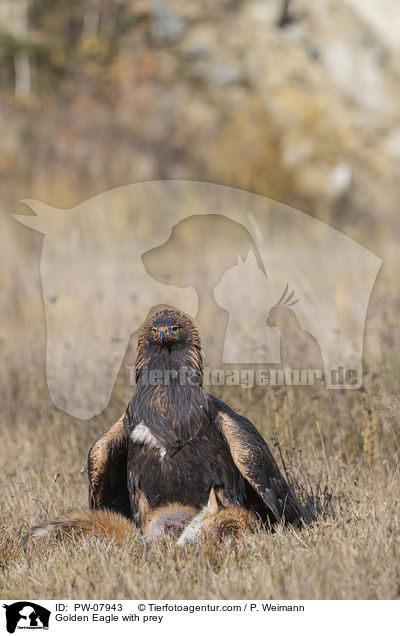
point(169, 338)
point(167, 331)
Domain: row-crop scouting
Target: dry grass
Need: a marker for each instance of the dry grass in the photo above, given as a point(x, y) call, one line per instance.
point(352, 489)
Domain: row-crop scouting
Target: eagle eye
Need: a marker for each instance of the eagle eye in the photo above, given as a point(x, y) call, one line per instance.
point(154, 330)
point(175, 329)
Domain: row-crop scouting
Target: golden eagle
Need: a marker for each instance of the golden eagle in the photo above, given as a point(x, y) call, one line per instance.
point(176, 442)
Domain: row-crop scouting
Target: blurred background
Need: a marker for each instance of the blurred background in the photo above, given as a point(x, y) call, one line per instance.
point(292, 99)
point(288, 98)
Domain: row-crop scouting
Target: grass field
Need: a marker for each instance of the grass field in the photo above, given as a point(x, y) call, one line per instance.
point(340, 451)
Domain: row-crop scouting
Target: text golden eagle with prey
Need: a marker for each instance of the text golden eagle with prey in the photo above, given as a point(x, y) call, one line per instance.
point(176, 442)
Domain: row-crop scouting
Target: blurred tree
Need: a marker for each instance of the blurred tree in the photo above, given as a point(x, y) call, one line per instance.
point(14, 21)
point(91, 18)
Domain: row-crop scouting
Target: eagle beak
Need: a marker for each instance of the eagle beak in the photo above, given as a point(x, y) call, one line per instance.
point(162, 335)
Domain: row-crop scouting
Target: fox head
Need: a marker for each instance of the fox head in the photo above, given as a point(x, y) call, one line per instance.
point(217, 522)
point(192, 532)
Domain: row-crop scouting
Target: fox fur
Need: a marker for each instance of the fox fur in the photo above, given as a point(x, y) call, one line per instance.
point(168, 522)
point(184, 524)
point(82, 522)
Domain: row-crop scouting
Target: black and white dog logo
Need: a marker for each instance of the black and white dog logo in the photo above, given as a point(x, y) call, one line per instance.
point(26, 615)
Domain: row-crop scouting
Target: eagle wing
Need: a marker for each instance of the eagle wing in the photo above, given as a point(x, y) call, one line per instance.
point(107, 470)
point(256, 463)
